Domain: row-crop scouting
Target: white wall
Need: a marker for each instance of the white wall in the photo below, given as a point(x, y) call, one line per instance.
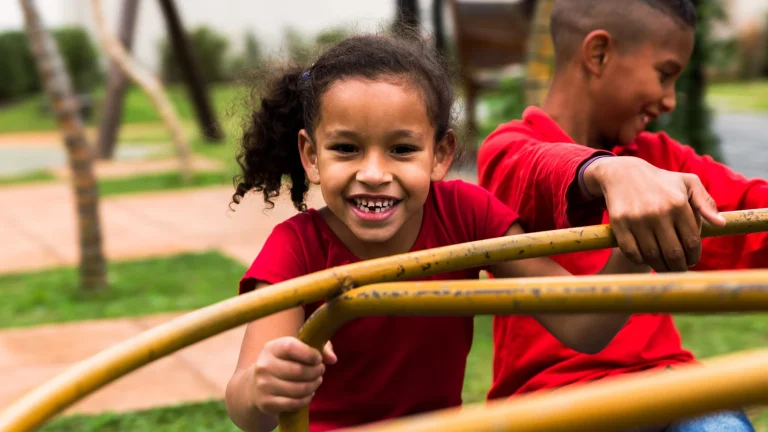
point(266, 18)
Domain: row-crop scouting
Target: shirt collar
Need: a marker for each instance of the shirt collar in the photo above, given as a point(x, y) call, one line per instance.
point(538, 120)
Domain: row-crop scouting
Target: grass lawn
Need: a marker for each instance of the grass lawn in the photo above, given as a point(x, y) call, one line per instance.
point(739, 96)
point(27, 177)
point(140, 183)
point(177, 283)
point(162, 182)
point(26, 114)
point(141, 125)
point(208, 417)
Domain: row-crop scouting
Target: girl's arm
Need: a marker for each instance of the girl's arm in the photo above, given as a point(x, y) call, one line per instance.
point(275, 372)
point(588, 333)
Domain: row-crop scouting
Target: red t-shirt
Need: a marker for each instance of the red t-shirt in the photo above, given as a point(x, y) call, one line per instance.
point(387, 366)
point(531, 165)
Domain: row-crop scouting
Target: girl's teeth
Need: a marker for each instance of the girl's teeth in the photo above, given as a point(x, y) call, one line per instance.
point(371, 206)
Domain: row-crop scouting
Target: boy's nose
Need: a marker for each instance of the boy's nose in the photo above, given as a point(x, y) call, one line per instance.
point(668, 102)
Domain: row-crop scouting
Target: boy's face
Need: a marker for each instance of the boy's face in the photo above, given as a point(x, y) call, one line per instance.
point(638, 85)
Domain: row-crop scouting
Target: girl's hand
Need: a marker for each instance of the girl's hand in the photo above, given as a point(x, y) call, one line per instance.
point(287, 373)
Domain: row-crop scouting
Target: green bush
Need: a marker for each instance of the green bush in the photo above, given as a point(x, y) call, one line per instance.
point(503, 106)
point(250, 60)
point(19, 76)
point(80, 56)
point(209, 47)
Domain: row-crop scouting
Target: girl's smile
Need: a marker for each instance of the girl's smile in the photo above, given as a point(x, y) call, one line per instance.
point(373, 207)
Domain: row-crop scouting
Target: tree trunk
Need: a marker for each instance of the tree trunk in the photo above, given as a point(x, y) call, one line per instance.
point(57, 84)
point(407, 14)
point(541, 53)
point(116, 83)
point(438, 22)
point(152, 87)
point(190, 69)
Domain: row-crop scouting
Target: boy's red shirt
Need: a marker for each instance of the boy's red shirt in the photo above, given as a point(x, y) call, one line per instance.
point(531, 165)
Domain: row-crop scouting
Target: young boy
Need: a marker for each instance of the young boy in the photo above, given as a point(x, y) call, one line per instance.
point(615, 70)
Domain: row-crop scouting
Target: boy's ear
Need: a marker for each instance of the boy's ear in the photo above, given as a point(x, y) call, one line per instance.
point(445, 150)
point(308, 154)
point(597, 50)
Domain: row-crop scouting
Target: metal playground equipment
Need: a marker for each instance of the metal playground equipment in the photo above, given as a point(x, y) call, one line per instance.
point(377, 287)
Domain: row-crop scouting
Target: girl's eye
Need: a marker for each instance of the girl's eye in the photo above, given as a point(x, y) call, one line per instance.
point(663, 76)
point(403, 150)
point(344, 148)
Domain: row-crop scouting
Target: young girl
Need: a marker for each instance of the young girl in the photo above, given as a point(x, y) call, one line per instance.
point(369, 124)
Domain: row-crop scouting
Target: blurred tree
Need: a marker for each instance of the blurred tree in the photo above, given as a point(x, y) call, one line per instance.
point(57, 84)
point(116, 84)
point(151, 86)
point(407, 14)
point(192, 72)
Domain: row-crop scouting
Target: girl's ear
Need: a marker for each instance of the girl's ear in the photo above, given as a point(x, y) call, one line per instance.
point(445, 149)
point(308, 154)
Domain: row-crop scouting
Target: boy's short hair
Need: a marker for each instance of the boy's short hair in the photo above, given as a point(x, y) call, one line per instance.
point(628, 21)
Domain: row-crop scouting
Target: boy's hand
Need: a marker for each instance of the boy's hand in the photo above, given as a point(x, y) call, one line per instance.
point(654, 213)
point(287, 374)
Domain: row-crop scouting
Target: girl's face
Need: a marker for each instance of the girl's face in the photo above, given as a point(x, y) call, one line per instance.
point(374, 157)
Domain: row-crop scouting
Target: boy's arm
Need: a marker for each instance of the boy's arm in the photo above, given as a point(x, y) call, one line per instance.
point(584, 332)
point(732, 191)
point(537, 180)
point(652, 211)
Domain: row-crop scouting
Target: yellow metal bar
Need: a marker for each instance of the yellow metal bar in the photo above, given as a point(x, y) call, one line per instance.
point(616, 404)
point(42, 403)
point(722, 291)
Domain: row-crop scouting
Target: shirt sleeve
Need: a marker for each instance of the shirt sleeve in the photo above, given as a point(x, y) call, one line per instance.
point(489, 217)
point(280, 259)
point(539, 181)
point(731, 191)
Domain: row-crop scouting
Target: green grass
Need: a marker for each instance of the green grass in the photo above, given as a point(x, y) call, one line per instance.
point(739, 96)
point(209, 417)
point(27, 114)
point(162, 182)
point(27, 177)
point(177, 283)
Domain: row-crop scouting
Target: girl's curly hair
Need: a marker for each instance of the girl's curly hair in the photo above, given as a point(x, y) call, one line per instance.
point(269, 148)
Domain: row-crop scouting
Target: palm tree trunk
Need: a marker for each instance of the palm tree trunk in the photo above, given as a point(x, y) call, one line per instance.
point(57, 84)
point(541, 53)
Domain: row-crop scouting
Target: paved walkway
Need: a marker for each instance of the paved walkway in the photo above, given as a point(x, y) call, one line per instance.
point(31, 356)
point(38, 226)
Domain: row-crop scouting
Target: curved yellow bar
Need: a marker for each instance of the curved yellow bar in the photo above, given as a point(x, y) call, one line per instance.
point(42, 403)
point(723, 291)
point(616, 404)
